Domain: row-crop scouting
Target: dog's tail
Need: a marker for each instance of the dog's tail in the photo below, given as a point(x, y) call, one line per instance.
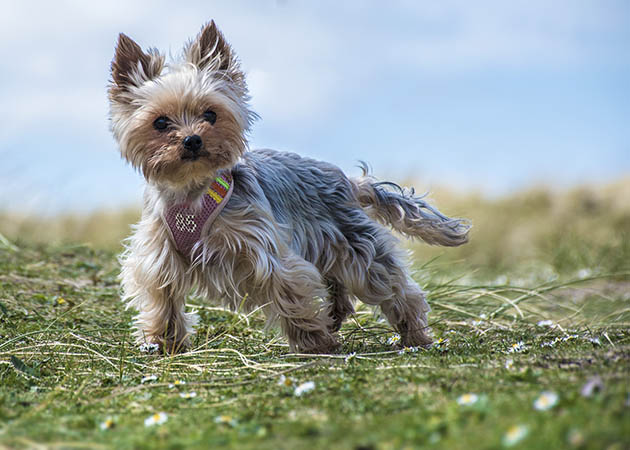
point(407, 213)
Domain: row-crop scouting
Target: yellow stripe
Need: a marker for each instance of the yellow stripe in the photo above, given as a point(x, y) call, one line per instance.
point(217, 198)
point(223, 183)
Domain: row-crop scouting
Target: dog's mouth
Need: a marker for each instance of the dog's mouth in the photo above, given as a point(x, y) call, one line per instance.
point(194, 156)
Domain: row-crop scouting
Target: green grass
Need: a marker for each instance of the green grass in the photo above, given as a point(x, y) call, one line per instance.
point(67, 363)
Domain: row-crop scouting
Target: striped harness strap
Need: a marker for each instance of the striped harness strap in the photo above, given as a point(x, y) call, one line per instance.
point(187, 224)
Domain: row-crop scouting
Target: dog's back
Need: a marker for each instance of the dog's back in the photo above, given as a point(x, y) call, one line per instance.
point(316, 201)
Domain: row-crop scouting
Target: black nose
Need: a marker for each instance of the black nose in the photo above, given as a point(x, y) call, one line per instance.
point(193, 143)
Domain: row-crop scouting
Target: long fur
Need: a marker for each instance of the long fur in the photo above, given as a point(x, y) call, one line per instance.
point(407, 213)
point(297, 238)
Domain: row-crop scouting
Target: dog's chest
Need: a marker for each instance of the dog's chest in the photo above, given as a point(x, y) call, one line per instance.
point(187, 223)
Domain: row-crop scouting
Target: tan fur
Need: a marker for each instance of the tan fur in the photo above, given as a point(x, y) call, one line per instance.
point(294, 238)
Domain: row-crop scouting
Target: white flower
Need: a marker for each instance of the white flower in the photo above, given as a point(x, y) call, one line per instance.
point(593, 385)
point(467, 399)
point(518, 347)
point(304, 388)
point(285, 381)
point(149, 378)
point(584, 273)
point(547, 400)
point(176, 383)
point(545, 323)
point(514, 435)
point(595, 341)
point(149, 348)
point(402, 351)
point(394, 339)
point(501, 280)
point(155, 419)
point(107, 424)
point(575, 437)
point(226, 420)
point(349, 357)
point(509, 364)
point(188, 395)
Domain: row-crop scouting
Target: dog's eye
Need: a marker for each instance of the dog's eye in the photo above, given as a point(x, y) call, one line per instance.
point(210, 116)
point(160, 123)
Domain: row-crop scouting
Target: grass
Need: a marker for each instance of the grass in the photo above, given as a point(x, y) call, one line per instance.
point(67, 365)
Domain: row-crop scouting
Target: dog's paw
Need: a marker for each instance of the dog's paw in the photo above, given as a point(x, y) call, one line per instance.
point(321, 343)
point(165, 346)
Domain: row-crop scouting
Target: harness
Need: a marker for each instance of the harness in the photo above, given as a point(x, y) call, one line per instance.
point(187, 224)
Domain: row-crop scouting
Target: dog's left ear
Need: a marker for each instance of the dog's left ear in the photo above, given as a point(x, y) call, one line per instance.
point(210, 50)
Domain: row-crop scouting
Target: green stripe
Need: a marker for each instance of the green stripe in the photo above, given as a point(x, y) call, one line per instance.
point(223, 183)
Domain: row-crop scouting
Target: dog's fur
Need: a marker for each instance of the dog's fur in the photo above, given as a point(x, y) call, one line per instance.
point(297, 238)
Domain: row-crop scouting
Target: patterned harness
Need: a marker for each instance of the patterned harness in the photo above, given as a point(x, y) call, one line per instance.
point(187, 224)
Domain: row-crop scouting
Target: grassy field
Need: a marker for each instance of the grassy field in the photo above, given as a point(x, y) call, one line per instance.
point(532, 321)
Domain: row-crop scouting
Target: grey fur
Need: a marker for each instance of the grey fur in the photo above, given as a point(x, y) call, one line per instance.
point(297, 238)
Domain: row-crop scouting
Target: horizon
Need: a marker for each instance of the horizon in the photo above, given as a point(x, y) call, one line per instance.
point(449, 95)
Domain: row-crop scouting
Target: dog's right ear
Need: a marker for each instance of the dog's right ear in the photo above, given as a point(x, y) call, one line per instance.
point(132, 67)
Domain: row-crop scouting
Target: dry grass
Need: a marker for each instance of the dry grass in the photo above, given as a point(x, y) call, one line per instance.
point(67, 364)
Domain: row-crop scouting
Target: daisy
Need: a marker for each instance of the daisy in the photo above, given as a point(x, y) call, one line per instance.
point(467, 399)
point(550, 343)
point(188, 395)
point(518, 347)
point(593, 385)
point(285, 381)
point(595, 341)
point(176, 383)
point(584, 273)
point(545, 323)
point(107, 424)
point(514, 435)
point(547, 400)
point(350, 356)
point(402, 351)
point(394, 339)
point(575, 437)
point(226, 420)
point(149, 348)
point(155, 419)
point(509, 364)
point(304, 388)
point(149, 378)
point(441, 345)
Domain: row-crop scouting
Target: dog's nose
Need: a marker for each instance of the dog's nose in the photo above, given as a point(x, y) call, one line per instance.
point(193, 143)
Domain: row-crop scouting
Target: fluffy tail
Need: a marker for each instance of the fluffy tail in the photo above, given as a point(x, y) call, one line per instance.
point(408, 214)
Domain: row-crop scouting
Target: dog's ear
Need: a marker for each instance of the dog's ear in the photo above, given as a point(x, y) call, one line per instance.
point(132, 67)
point(209, 50)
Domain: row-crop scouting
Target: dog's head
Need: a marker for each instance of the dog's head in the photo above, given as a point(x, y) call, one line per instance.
point(180, 123)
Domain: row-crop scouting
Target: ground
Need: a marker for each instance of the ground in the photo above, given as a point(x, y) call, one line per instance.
point(532, 328)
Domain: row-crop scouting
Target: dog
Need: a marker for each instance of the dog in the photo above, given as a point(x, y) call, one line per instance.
point(264, 229)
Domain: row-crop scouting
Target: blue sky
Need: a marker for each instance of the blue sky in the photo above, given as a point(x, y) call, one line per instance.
point(485, 95)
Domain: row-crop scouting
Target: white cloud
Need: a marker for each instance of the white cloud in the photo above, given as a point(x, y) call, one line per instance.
point(304, 60)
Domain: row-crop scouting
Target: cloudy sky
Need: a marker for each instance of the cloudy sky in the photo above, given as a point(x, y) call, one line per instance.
point(489, 95)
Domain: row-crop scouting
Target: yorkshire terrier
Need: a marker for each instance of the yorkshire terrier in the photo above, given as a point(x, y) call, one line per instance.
point(252, 228)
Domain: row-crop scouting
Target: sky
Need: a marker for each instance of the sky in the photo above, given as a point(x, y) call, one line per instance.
point(492, 96)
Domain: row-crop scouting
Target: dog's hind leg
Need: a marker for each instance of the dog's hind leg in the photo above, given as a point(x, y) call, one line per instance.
point(378, 275)
point(340, 303)
point(294, 291)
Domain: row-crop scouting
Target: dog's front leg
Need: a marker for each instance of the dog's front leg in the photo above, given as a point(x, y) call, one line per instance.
point(156, 286)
